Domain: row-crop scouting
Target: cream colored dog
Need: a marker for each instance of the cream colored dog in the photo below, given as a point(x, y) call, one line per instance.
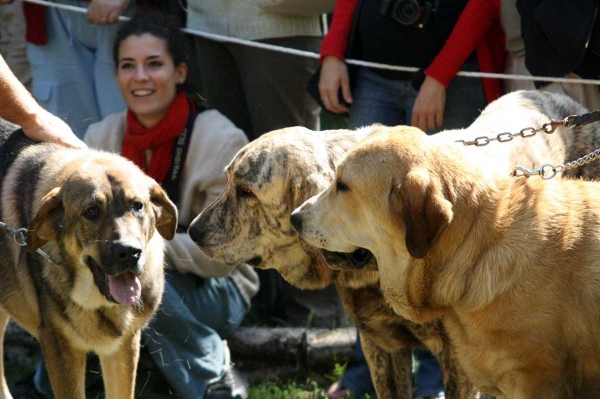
point(512, 264)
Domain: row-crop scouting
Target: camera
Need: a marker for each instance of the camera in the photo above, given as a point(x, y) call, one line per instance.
point(409, 12)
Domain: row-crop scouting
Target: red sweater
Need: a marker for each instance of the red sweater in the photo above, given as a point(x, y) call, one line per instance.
point(478, 28)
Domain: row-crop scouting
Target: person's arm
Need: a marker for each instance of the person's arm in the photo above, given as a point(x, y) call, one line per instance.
point(334, 73)
point(102, 12)
point(18, 106)
point(469, 31)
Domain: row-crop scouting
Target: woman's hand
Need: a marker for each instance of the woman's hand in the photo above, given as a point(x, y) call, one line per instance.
point(334, 74)
point(428, 111)
point(102, 12)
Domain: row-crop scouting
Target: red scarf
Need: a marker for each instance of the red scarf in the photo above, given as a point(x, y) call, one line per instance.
point(160, 139)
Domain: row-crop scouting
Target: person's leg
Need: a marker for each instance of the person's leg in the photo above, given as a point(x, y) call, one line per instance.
point(429, 376)
point(516, 66)
point(220, 83)
point(62, 70)
point(380, 100)
point(108, 96)
point(465, 99)
point(185, 337)
point(275, 84)
point(357, 377)
point(13, 46)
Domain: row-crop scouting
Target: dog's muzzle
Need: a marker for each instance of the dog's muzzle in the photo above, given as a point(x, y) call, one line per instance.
point(347, 261)
point(116, 275)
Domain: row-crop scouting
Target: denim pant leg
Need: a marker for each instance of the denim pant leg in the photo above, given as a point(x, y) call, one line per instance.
point(380, 100)
point(465, 99)
point(73, 72)
point(357, 377)
point(429, 375)
point(390, 102)
point(185, 337)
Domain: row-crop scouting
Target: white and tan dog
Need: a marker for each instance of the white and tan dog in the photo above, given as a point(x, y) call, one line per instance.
point(512, 264)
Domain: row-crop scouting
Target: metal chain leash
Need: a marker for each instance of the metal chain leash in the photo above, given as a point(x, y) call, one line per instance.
point(546, 171)
point(19, 237)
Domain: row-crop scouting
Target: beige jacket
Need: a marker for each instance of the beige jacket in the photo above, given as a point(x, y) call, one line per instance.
point(215, 141)
point(244, 19)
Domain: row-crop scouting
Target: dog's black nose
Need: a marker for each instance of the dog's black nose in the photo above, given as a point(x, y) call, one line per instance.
point(296, 220)
point(197, 234)
point(125, 254)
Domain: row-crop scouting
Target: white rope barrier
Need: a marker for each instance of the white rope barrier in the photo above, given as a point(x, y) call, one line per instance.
point(309, 54)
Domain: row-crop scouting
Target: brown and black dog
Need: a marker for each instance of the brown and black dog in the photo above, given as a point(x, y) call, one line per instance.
point(101, 221)
point(276, 173)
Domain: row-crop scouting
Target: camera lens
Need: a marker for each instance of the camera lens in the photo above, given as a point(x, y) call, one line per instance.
point(407, 12)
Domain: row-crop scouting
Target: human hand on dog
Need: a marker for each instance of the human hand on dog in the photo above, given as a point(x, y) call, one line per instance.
point(334, 74)
point(102, 12)
point(428, 111)
point(43, 126)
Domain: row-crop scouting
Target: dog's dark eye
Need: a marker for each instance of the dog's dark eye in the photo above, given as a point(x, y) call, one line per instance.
point(244, 192)
point(341, 186)
point(92, 212)
point(138, 206)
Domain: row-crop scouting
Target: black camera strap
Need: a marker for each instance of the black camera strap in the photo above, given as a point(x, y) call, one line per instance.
point(178, 157)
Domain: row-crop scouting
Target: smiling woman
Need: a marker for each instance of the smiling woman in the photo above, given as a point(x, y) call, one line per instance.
point(185, 148)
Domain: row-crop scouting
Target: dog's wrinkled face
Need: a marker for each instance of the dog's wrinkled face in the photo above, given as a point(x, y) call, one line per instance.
point(382, 194)
point(249, 222)
point(104, 215)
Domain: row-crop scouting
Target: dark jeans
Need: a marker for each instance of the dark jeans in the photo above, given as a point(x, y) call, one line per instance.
point(390, 102)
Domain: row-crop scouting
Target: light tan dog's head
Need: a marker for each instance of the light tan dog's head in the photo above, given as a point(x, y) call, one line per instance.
point(392, 196)
point(266, 181)
point(103, 213)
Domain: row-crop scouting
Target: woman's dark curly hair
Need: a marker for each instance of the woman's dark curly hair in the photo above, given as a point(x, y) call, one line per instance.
point(157, 24)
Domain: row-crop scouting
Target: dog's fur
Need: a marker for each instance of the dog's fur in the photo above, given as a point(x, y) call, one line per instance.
point(512, 264)
point(277, 172)
point(88, 210)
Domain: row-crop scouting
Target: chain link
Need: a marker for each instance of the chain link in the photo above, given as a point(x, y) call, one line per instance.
point(546, 171)
point(19, 235)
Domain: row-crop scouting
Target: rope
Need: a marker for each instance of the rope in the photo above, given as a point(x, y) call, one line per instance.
point(309, 54)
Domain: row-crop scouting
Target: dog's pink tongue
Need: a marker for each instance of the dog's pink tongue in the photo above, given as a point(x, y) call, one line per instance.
point(125, 289)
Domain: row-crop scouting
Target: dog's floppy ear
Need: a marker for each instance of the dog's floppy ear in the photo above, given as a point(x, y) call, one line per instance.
point(425, 211)
point(40, 230)
point(165, 210)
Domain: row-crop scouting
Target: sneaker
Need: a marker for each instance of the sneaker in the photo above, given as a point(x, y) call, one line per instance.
point(233, 385)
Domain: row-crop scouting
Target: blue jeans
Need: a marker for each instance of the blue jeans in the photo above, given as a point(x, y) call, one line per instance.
point(429, 375)
point(357, 377)
point(185, 338)
point(73, 73)
point(390, 102)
